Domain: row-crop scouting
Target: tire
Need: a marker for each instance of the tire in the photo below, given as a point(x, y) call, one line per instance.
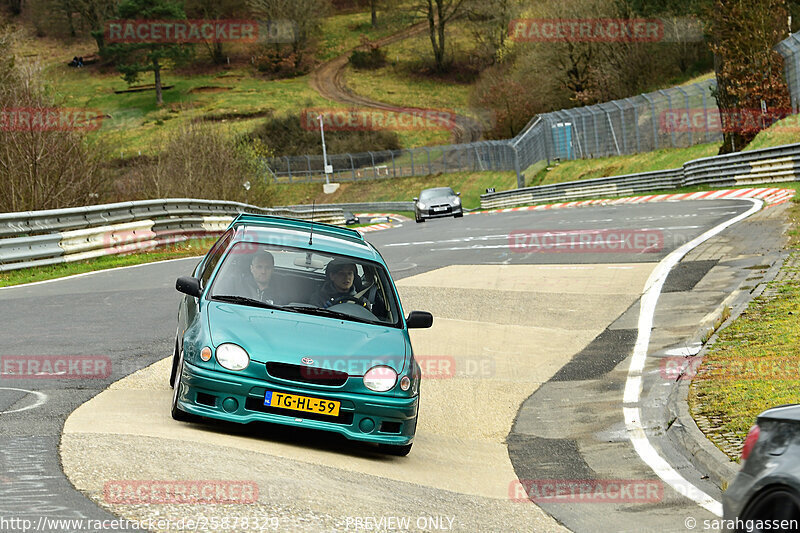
point(418, 219)
point(177, 413)
point(779, 503)
point(392, 449)
point(174, 363)
point(458, 215)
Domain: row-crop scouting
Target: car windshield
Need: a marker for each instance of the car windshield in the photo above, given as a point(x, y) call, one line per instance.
point(291, 279)
point(437, 192)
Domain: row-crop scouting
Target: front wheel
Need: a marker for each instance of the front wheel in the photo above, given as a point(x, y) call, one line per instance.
point(419, 219)
point(175, 356)
point(177, 413)
point(393, 449)
point(458, 215)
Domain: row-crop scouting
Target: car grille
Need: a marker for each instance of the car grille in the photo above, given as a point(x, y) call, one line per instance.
point(307, 374)
point(257, 404)
point(433, 211)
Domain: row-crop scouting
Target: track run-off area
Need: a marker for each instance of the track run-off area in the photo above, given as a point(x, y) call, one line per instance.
point(543, 365)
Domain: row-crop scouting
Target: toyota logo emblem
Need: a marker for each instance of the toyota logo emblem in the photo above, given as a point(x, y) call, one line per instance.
point(307, 361)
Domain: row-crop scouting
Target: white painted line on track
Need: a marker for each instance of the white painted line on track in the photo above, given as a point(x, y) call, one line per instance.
point(84, 274)
point(633, 386)
point(40, 399)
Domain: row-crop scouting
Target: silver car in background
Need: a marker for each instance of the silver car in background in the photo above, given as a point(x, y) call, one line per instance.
point(437, 202)
point(765, 494)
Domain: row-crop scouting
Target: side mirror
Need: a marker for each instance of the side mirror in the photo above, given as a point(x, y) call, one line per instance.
point(189, 285)
point(458, 194)
point(416, 198)
point(419, 319)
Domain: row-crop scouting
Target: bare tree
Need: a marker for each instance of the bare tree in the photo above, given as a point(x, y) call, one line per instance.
point(44, 166)
point(489, 21)
point(305, 15)
point(438, 13)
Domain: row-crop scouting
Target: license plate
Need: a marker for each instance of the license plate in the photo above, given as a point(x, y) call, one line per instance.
point(440, 209)
point(301, 403)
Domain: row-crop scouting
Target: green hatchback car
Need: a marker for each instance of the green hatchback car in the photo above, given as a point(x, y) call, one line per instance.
point(297, 323)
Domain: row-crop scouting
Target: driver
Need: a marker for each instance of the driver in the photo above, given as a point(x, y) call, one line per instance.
point(338, 287)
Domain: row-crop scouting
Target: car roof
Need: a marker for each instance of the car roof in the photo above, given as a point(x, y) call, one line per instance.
point(295, 233)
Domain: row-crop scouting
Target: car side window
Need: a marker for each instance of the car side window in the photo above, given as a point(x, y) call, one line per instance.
point(214, 256)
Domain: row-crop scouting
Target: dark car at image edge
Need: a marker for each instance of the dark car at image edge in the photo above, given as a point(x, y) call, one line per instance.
point(765, 494)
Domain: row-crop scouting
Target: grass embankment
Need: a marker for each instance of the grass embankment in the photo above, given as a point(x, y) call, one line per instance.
point(188, 248)
point(581, 169)
point(753, 364)
point(235, 98)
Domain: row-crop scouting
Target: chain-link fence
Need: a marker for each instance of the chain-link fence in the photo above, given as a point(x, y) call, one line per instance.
point(671, 118)
point(678, 117)
point(790, 50)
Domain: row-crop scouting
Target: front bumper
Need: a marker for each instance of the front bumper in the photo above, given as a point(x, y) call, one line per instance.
point(430, 213)
point(363, 417)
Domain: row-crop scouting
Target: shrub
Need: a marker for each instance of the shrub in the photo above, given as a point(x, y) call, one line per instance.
point(371, 59)
point(285, 135)
point(201, 161)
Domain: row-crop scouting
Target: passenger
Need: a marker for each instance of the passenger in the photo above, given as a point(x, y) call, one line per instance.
point(338, 287)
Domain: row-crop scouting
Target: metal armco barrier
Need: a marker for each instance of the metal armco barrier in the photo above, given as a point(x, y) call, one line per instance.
point(40, 238)
point(768, 165)
point(363, 206)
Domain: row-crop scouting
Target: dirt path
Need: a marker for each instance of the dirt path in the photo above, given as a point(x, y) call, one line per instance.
point(328, 80)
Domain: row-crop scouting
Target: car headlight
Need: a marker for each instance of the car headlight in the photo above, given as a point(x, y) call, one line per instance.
point(457, 201)
point(420, 205)
point(232, 357)
point(380, 378)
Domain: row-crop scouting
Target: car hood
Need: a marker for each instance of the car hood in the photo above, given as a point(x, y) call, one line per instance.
point(439, 199)
point(287, 337)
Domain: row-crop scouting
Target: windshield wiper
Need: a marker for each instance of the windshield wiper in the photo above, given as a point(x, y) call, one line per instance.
point(314, 310)
point(244, 300)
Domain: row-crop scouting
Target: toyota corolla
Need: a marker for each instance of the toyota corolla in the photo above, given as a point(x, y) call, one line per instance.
point(295, 323)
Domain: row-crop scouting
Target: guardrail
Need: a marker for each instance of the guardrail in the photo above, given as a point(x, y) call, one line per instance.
point(385, 207)
point(767, 165)
point(39, 238)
